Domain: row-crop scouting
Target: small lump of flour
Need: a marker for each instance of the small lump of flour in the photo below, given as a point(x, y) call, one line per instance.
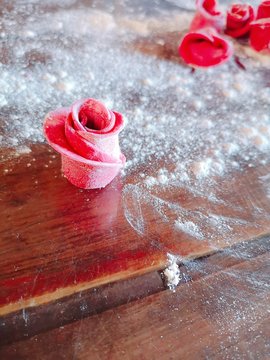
point(189, 228)
point(23, 149)
point(201, 168)
point(172, 273)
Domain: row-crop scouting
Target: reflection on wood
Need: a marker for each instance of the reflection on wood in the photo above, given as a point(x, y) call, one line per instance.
point(57, 240)
point(219, 314)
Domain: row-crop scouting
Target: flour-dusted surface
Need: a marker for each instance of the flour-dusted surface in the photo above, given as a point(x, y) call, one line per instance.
point(202, 124)
point(197, 143)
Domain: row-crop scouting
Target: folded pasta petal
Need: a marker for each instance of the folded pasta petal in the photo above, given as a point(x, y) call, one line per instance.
point(260, 35)
point(86, 148)
point(91, 115)
point(109, 141)
point(264, 10)
point(205, 48)
point(87, 175)
point(207, 15)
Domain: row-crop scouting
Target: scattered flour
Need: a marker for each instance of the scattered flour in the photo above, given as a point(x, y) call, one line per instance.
point(172, 273)
point(201, 168)
point(189, 228)
point(23, 149)
point(183, 128)
point(266, 182)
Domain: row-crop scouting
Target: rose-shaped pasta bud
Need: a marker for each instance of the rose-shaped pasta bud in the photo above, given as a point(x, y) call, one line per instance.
point(205, 48)
point(239, 17)
point(260, 35)
point(207, 15)
point(264, 10)
point(86, 136)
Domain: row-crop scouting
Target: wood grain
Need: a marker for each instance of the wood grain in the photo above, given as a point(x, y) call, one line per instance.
point(222, 314)
point(34, 320)
point(56, 240)
point(25, 323)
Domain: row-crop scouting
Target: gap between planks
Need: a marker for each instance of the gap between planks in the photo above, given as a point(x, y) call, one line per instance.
point(26, 323)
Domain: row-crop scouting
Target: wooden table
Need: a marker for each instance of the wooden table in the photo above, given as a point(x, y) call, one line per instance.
point(81, 271)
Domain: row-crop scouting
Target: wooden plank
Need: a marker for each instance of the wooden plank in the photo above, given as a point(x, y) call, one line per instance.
point(56, 240)
point(34, 320)
point(224, 314)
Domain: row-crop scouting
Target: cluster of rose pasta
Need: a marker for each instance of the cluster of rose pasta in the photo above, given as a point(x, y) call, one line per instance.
point(205, 44)
point(86, 134)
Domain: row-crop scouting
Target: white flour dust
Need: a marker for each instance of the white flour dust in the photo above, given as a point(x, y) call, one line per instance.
point(172, 272)
point(188, 134)
point(190, 228)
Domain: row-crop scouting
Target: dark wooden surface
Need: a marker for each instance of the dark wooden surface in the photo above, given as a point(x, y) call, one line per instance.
point(57, 240)
point(81, 271)
point(60, 248)
point(217, 314)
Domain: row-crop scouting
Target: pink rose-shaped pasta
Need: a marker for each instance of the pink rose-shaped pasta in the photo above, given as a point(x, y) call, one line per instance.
point(239, 17)
point(264, 10)
point(207, 15)
point(260, 35)
point(86, 136)
point(205, 48)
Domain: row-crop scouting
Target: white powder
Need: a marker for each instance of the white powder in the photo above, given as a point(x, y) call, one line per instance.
point(23, 149)
point(201, 168)
point(189, 228)
point(172, 273)
point(194, 126)
point(150, 181)
point(266, 183)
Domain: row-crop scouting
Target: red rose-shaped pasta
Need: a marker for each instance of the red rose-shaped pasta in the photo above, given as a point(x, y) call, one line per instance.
point(264, 10)
point(86, 136)
point(205, 48)
point(207, 14)
point(239, 17)
point(260, 35)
